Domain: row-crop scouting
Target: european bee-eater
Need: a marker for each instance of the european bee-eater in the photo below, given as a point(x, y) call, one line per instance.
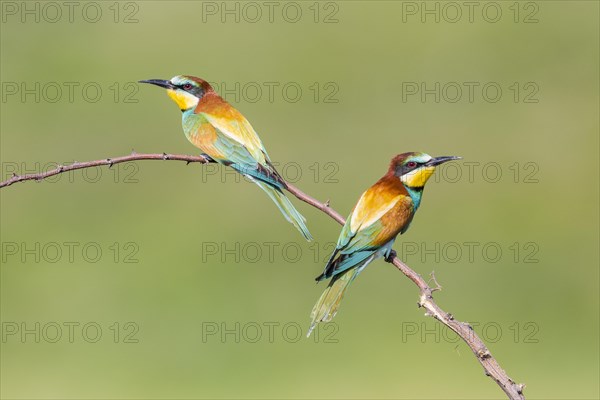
point(225, 135)
point(385, 210)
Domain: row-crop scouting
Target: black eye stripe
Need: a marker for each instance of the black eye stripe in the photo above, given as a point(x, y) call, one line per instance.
point(191, 89)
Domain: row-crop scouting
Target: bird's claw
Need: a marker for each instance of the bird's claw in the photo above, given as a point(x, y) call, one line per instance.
point(391, 255)
point(208, 158)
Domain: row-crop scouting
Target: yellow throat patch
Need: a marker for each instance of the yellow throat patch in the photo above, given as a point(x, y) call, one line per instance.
point(418, 177)
point(183, 99)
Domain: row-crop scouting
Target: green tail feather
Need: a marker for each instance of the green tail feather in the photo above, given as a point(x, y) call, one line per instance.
point(330, 300)
point(287, 208)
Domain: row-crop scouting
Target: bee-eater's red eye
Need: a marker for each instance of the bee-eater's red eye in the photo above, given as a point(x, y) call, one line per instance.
point(411, 164)
point(187, 86)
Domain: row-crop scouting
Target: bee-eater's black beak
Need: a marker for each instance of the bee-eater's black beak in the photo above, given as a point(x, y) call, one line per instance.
point(160, 82)
point(440, 160)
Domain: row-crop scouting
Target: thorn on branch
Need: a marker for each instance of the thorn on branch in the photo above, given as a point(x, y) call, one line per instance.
point(165, 156)
point(110, 162)
point(327, 202)
point(14, 175)
point(437, 285)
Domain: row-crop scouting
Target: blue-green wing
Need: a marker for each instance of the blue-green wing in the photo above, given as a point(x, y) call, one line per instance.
point(243, 150)
point(352, 249)
point(360, 237)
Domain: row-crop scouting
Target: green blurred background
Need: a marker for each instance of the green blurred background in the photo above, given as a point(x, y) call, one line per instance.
point(185, 254)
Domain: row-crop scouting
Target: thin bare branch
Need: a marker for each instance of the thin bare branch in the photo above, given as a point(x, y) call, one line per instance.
point(492, 369)
point(106, 161)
